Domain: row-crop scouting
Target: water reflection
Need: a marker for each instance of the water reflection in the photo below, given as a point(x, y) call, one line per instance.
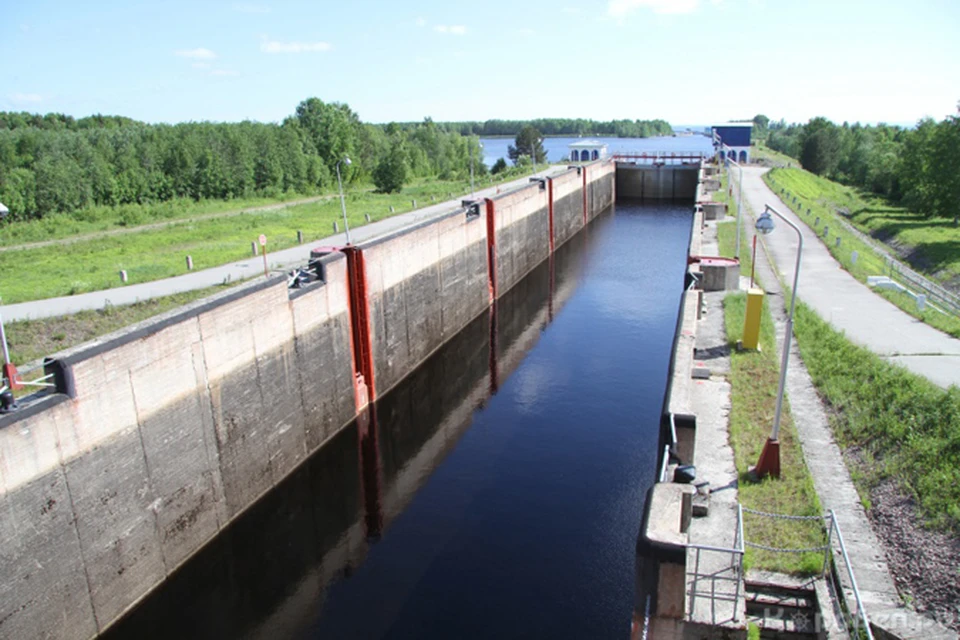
point(268, 574)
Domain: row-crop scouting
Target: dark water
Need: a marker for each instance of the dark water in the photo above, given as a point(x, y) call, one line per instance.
point(496, 492)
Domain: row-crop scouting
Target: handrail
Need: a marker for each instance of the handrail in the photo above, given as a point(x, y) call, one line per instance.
point(663, 463)
point(861, 613)
point(860, 618)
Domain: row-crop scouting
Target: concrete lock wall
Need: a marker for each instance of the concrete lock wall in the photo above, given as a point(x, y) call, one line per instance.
point(163, 433)
point(173, 427)
point(568, 217)
point(423, 285)
point(599, 186)
point(521, 229)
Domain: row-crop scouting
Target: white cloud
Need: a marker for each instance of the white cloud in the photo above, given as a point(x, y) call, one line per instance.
point(620, 8)
point(196, 54)
point(249, 7)
point(200, 65)
point(275, 46)
point(421, 22)
point(26, 97)
point(453, 29)
point(225, 73)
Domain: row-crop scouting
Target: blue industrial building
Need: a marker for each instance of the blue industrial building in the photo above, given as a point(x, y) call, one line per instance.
point(736, 136)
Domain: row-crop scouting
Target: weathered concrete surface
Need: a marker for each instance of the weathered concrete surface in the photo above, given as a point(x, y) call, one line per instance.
point(168, 430)
point(522, 228)
point(850, 306)
point(600, 186)
point(423, 286)
point(568, 216)
point(174, 427)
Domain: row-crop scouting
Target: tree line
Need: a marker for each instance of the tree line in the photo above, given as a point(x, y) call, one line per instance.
point(559, 126)
point(54, 163)
point(916, 166)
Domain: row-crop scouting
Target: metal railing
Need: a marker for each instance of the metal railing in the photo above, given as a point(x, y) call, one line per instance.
point(735, 567)
point(662, 157)
point(857, 619)
point(7, 401)
point(947, 301)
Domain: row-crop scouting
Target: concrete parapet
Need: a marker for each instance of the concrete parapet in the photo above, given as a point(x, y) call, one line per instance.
point(714, 210)
point(720, 274)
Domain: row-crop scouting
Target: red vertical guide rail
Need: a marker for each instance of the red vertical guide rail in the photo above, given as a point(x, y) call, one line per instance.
point(371, 476)
point(364, 384)
point(550, 210)
point(491, 250)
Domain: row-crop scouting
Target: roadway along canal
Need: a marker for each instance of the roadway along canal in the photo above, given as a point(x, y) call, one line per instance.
point(496, 493)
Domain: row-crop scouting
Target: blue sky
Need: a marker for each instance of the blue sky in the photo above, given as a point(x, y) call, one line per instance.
point(687, 61)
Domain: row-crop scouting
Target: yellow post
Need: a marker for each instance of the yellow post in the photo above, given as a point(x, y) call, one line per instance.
point(751, 324)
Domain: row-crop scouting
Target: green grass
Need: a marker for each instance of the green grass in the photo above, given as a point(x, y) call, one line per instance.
point(31, 340)
point(931, 241)
point(94, 264)
point(906, 427)
point(99, 219)
point(754, 378)
point(753, 381)
point(762, 153)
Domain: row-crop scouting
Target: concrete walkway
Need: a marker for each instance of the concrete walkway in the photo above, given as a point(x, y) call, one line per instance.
point(243, 269)
point(848, 305)
point(835, 487)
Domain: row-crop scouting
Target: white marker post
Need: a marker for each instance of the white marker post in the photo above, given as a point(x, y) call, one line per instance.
point(263, 250)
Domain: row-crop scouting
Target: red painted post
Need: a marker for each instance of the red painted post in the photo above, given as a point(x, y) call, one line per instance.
point(364, 382)
point(491, 249)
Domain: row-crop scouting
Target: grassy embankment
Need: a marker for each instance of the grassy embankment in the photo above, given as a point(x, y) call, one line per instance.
point(765, 155)
point(93, 264)
point(933, 243)
point(30, 340)
point(753, 382)
point(904, 427)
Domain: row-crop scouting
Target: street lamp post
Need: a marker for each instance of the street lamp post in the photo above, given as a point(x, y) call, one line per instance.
point(472, 191)
point(769, 463)
point(343, 204)
point(736, 253)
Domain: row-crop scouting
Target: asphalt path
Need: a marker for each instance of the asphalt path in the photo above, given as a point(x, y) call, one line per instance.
point(243, 269)
point(846, 303)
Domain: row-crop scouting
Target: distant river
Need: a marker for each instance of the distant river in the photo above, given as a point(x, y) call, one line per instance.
point(558, 151)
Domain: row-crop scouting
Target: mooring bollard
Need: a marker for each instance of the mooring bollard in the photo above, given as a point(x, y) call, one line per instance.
point(413, 203)
point(123, 275)
point(826, 230)
point(189, 263)
point(837, 242)
point(367, 217)
point(299, 237)
point(816, 223)
point(921, 301)
point(336, 228)
point(253, 248)
point(392, 210)
point(853, 257)
point(809, 211)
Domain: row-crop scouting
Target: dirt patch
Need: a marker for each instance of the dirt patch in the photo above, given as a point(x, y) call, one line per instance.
point(925, 564)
